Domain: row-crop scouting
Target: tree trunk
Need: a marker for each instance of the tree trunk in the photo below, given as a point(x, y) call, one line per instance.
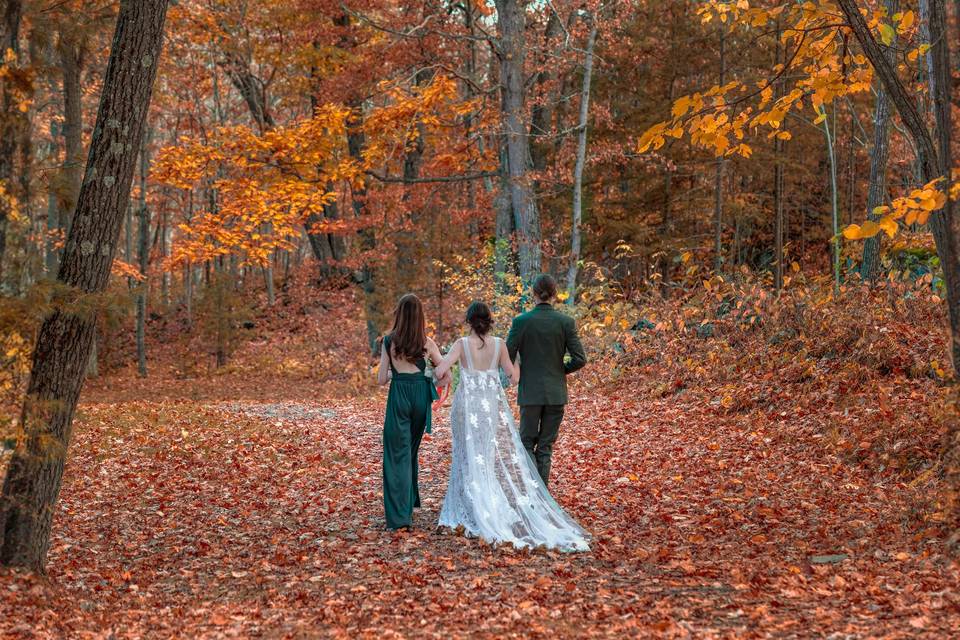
point(188, 292)
point(666, 221)
point(877, 189)
point(143, 255)
point(251, 89)
point(578, 167)
point(128, 241)
point(408, 242)
point(834, 210)
point(165, 238)
point(326, 247)
point(220, 285)
point(503, 254)
point(366, 276)
point(53, 210)
point(35, 471)
point(523, 205)
point(268, 281)
point(718, 178)
point(25, 191)
point(541, 116)
point(778, 184)
point(71, 172)
point(93, 362)
point(9, 40)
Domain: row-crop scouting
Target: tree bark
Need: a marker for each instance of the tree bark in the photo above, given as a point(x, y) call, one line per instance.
point(541, 116)
point(268, 280)
point(326, 247)
point(71, 172)
point(143, 257)
point(9, 40)
point(366, 276)
point(778, 184)
point(834, 205)
point(53, 210)
point(580, 162)
point(718, 178)
point(408, 243)
point(877, 189)
point(165, 238)
point(251, 89)
point(511, 52)
point(35, 472)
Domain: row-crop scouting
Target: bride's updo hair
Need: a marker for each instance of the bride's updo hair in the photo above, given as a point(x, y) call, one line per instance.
point(480, 319)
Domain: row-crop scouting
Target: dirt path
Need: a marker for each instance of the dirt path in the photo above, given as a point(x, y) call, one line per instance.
point(247, 520)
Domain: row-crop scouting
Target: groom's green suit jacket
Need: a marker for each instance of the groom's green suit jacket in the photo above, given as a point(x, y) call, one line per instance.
point(543, 337)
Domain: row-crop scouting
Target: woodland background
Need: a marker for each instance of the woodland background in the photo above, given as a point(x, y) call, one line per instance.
point(749, 206)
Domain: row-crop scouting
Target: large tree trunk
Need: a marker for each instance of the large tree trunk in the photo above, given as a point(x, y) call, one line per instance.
point(511, 52)
point(35, 472)
point(877, 189)
point(579, 165)
point(9, 40)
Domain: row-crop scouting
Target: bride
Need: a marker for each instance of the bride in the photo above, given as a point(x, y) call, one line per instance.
point(494, 490)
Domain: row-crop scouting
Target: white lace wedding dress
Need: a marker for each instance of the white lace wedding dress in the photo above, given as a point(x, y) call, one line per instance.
point(494, 490)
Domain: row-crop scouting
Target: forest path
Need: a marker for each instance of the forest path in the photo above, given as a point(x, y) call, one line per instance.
point(239, 519)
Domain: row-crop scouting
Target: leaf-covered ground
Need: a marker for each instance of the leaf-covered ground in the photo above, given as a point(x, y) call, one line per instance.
point(242, 519)
point(774, 478)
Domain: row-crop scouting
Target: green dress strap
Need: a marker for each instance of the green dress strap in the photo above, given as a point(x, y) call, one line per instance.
point(430, 388)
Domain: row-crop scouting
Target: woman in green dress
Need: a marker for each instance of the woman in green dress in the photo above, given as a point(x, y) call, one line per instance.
point(403, 363)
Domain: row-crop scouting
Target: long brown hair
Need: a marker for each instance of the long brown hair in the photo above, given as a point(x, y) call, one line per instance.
point(408, 336)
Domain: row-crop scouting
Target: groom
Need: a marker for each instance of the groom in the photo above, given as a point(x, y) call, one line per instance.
point(543, 336)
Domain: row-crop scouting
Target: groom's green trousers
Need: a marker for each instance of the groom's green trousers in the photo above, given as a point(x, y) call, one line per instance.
point(539, 427)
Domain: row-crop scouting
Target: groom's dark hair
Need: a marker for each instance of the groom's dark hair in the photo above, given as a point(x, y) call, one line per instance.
point(544, 287)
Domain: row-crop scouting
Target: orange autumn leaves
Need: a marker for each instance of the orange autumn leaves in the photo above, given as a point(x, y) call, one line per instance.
point(260, 188)
point(721, 118)
point(815, 44)
point(263, 187)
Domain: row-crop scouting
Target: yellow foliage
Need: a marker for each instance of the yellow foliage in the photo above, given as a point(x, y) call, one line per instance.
point(823, 70)
point(913, 208)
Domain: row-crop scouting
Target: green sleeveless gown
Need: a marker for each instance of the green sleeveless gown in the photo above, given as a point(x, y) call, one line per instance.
point(408, 414)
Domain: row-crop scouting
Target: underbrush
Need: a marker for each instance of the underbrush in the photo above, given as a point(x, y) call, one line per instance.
point(866, 375)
